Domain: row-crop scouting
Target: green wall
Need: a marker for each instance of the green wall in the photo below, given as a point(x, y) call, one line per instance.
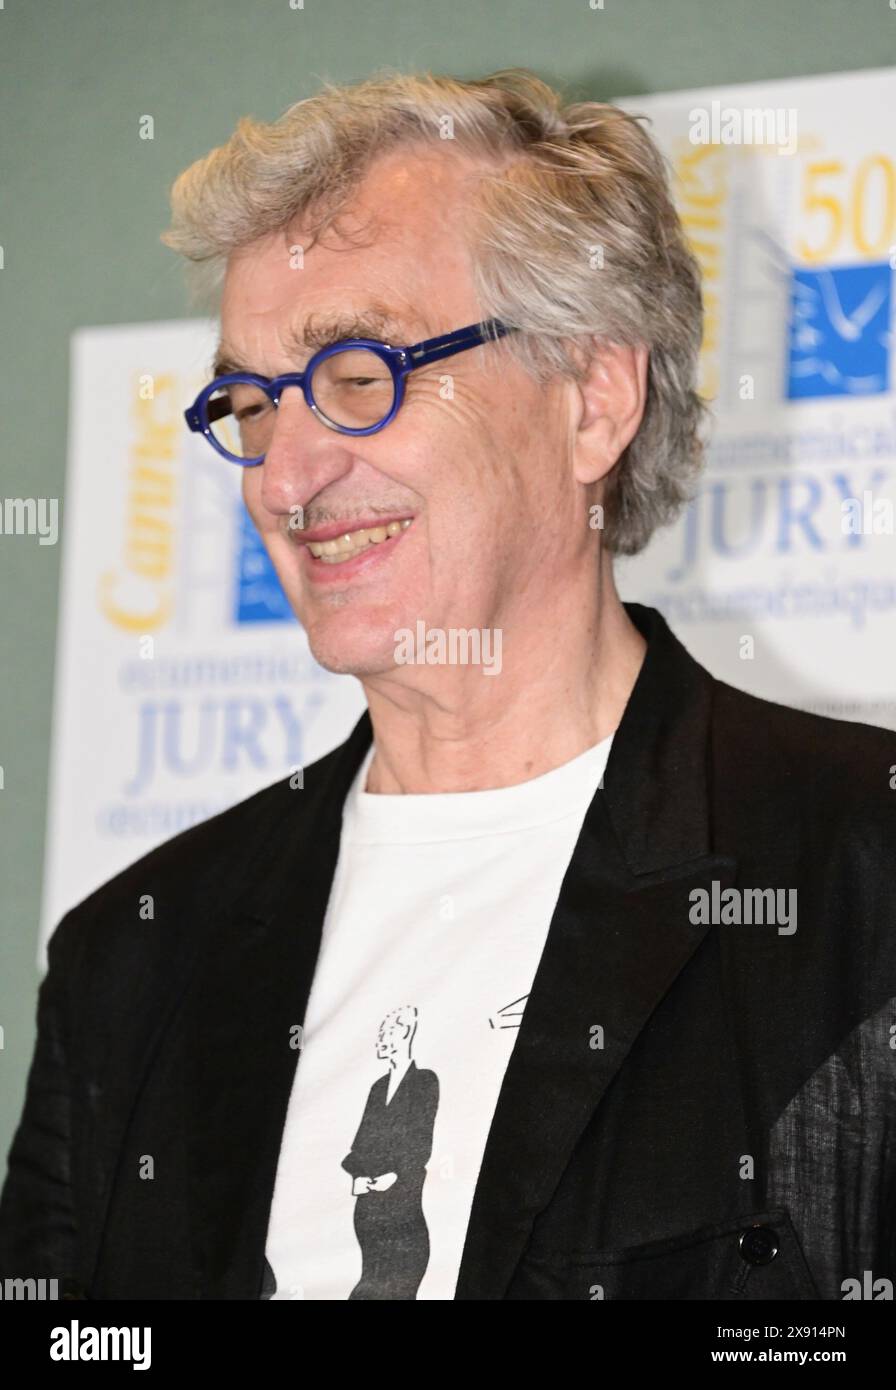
point(83, 200)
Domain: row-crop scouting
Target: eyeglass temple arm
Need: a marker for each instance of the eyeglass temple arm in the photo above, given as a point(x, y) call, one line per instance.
point(434, 349)
point(215, 409)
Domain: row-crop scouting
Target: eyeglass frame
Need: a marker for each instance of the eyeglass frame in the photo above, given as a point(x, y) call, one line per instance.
point(401, 361)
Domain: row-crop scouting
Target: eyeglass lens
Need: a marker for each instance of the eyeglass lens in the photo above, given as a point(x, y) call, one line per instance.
point(353, 389)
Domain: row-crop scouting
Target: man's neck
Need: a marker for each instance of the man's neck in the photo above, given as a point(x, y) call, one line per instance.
point(558, 694)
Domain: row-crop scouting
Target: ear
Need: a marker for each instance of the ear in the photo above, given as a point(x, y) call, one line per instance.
point(612, 396)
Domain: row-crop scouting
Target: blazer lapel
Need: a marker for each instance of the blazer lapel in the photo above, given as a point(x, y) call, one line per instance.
point(242, 1013)
point(620, 934)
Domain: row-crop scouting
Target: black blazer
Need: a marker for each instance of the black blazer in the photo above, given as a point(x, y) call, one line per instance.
point(692, 1109)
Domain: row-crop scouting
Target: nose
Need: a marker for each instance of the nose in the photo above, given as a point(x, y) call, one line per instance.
point(303, 455)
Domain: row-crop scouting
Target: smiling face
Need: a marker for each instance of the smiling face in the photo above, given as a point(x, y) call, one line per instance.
point(463, 503)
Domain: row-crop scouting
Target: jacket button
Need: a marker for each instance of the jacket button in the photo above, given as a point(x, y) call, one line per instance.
point(758, 1245)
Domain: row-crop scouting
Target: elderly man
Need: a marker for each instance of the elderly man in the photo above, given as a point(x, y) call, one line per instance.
point(645, 924)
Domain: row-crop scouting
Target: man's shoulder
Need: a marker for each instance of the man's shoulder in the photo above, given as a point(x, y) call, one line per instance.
point(800, 754)
point(199, 871)
point(202, 855)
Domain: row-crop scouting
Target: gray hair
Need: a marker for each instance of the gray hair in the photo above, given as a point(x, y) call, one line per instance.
point(573, 236)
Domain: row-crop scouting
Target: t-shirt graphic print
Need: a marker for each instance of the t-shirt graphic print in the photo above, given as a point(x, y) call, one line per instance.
point(387, 1164)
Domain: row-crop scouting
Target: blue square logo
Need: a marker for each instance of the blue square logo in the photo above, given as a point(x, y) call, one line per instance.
point(839, 331)
point(257, 592)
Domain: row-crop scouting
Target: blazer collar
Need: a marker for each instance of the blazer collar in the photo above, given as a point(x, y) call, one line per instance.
point(656, 783)
point(618, 937)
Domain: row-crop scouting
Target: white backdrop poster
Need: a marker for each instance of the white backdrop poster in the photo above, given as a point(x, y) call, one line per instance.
point(183, 682)
point(781, 577)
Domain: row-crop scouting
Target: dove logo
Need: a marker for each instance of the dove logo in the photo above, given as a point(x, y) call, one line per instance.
point(840, 334)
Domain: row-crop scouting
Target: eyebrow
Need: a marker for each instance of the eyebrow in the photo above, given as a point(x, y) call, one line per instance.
point(321, 330)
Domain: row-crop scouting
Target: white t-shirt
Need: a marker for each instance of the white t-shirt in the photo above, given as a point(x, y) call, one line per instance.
point(435, 925)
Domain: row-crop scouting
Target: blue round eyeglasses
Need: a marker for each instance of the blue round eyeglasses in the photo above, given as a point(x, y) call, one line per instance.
point(355, 386)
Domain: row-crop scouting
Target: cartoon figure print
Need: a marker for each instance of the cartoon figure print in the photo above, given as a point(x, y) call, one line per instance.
point(387, 1164)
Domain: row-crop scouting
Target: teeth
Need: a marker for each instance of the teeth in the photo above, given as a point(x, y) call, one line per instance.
point(345, 547)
